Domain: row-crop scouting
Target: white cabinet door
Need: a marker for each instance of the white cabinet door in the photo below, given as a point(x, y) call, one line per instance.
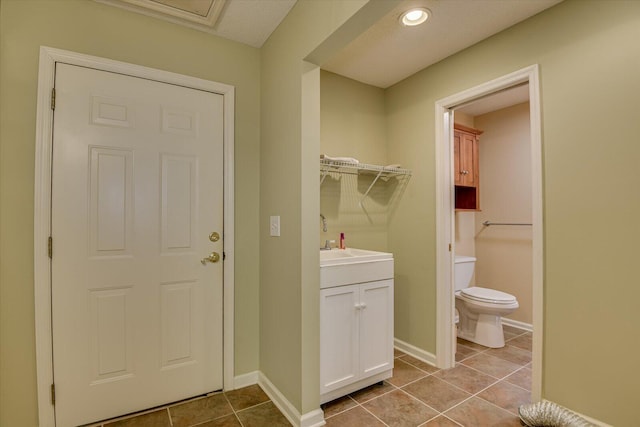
point(376, 327)
point(338, 336)
point(356, 333)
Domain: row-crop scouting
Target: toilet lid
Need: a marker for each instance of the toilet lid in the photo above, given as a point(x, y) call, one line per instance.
point(488, 295)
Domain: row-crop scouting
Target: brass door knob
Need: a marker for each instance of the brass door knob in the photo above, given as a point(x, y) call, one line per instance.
point(213, 257)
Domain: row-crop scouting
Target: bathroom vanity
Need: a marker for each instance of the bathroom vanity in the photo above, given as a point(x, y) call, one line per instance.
point(356, 320)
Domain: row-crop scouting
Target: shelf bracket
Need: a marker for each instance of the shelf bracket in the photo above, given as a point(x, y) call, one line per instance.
point(324, 175)
point(370, 187)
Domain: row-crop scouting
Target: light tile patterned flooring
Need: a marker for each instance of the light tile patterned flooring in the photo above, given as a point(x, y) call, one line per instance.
point(245, 407)
point(484, 389)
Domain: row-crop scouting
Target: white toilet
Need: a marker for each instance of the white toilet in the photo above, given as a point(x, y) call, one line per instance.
point(480, 310)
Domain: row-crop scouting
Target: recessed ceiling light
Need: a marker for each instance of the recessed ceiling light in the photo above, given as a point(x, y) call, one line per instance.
point(413, 17)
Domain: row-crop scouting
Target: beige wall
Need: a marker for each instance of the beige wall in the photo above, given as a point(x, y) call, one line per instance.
point(465, 235)
point(353, 124)
point(588, 63)
point(464, 119)
point(504, 253)
point(93, 28)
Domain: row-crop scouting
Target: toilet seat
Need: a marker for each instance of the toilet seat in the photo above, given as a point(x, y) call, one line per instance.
point(486, 295)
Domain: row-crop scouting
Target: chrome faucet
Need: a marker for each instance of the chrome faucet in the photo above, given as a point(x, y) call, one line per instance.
point(327, 245)
point(324, 223)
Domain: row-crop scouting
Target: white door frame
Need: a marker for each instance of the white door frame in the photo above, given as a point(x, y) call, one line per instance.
point(445, 336)
point(42, 207)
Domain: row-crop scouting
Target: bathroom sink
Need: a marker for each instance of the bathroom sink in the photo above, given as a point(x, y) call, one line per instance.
point(339, 267)
point(332, 255)
point(351, 255)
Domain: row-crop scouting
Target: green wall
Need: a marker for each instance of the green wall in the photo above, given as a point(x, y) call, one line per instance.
point(353, 124)
point(590, 73)
point(96, 29)
point(589, 65)
point(289, 265)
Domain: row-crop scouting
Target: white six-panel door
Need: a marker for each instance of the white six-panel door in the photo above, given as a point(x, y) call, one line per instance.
point(137, 188)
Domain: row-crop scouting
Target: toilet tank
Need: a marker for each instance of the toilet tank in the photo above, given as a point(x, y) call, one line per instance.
point(463, 271)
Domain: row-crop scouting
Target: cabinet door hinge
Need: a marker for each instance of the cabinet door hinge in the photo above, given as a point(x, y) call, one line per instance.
point(53, 98)
point(50, 247)
point(53, 394)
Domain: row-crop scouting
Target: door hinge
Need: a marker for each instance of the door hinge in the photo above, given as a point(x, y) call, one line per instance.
point(53, 394)
point(449, 247)
point(53, 98)
point(50, 247)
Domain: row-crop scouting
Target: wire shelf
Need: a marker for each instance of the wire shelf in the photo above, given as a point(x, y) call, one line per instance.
point(336, 166)
point(339, 166)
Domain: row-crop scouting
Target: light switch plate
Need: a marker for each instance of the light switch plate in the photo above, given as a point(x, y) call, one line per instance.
point(274, 225)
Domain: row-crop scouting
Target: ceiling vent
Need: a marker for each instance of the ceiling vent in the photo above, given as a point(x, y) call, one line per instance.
point(202, 14)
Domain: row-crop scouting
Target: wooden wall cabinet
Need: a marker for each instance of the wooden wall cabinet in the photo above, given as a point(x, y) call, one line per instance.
point(465, 167)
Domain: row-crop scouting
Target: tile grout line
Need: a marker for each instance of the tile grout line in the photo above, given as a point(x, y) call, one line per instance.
point(493, 376)
point(424, 403)
point(476, 352)
point(440, 414)
point(419, 368)
point(489, 375)
point(472, 395)
point(477, 394)
point(169, 415)
point(360, 404)
point(235, 414)
point(516, 385)
point(416, 380)
point(342, 412)
point(499, 407)
point(372, 414)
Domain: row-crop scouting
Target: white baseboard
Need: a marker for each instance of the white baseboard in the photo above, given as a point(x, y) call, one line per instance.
point(314, 418)
point(591, 420)
point(245, 380)
point(414, 351)
point(517, 324)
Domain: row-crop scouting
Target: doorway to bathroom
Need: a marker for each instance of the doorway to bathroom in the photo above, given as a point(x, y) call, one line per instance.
point(504, 224)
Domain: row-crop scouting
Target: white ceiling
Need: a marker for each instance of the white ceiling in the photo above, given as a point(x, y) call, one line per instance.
point(246, 21)
point(383, 55)
point(497, 101)
point(389, 52)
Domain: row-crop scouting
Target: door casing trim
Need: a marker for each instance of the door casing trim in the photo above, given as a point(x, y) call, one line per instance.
point(42, 207)
point(445, 242)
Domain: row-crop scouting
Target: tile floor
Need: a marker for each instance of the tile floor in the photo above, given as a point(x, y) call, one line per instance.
point(245, 407)
point(484, 389)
